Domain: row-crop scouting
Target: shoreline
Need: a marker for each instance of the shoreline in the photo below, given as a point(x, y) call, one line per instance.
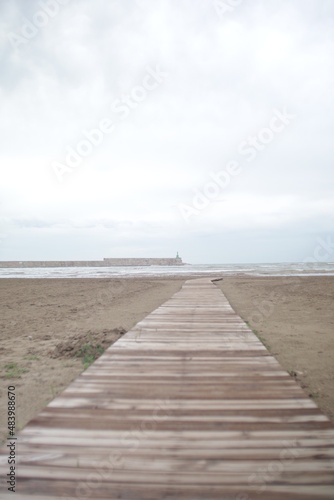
point(45, 322)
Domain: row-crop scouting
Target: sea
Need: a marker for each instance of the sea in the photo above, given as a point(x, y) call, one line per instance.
point(192, 270)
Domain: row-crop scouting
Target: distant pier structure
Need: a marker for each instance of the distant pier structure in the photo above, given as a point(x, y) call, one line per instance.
point(107, 262)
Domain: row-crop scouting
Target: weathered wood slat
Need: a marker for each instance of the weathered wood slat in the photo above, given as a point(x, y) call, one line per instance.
point(187, 405)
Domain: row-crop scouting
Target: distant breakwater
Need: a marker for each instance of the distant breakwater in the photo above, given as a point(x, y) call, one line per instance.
point(93, 263)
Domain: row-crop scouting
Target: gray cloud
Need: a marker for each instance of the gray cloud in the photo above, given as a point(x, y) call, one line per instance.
point(226, 78)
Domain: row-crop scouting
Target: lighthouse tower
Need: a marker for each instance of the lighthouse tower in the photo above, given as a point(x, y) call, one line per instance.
point(178, 259)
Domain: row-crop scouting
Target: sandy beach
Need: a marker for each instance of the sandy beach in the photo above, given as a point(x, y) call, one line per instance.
point(294, 317)
point(46, 322)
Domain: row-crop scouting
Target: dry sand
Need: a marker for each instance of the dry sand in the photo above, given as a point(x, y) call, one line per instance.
point(294, 317)
point(44, 322)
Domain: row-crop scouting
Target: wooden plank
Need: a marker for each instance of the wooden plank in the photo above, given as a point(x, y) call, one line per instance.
point(187, 405)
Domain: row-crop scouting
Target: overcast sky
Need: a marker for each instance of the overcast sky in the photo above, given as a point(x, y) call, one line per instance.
point(135, 128)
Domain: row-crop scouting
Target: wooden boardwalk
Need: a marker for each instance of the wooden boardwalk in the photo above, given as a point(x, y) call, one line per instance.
point(187, 405)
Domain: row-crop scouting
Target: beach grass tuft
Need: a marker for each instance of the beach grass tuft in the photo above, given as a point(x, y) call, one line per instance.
point(89, 352)
point(13, 370)
point(32, 357)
